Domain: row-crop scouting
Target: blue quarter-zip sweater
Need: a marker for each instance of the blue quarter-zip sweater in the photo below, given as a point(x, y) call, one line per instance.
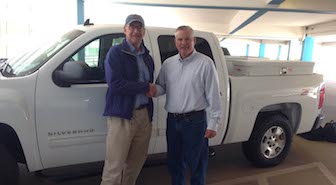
point(122, 73)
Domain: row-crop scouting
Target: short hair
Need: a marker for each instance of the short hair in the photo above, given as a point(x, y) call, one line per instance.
point(184, 27)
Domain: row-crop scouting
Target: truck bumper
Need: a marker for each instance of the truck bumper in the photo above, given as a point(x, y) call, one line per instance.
point(318, 121)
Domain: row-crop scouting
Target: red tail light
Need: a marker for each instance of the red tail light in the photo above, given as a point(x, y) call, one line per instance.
point(322, 95)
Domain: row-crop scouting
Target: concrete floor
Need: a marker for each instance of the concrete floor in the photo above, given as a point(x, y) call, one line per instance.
point(308, 163)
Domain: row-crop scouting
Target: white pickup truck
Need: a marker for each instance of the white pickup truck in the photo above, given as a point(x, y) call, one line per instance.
point(52, 100)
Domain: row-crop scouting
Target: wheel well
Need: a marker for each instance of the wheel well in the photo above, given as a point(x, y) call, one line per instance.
point(10, 140)
point(292, 111)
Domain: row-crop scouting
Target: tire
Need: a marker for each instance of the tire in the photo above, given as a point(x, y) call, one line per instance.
point(9, 170)
point(270, 141)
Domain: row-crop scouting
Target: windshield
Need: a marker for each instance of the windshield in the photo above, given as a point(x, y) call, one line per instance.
point(29, 61)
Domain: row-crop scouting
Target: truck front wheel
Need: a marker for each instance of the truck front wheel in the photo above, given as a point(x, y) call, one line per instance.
point(9, 170)
point(270, 141)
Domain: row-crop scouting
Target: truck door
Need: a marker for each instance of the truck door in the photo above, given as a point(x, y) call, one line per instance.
point(70, 125)
point(164, 47)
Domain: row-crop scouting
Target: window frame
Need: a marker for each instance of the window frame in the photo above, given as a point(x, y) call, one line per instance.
point(101, 57)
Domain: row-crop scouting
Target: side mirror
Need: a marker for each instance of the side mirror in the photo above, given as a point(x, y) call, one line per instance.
point(72, 73)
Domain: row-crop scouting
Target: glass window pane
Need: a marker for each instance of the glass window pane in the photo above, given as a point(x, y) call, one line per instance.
point(88, 62)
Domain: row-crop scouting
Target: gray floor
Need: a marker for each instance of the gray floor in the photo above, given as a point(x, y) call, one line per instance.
point(308, 163)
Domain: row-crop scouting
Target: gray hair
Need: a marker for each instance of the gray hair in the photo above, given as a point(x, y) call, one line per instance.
point(184, 27)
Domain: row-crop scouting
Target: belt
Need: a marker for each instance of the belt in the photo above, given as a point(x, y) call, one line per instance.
point(141, 107)
point(187, 114)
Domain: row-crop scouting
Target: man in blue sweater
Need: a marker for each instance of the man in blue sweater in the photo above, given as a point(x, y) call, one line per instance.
point(129, 74)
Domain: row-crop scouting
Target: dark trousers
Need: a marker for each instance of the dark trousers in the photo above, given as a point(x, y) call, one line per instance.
point(187, 147)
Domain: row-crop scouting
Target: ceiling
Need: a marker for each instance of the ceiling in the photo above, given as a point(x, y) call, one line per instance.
point(273, 19)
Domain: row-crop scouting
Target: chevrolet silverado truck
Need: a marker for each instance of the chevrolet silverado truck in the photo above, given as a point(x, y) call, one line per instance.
point(52, 99)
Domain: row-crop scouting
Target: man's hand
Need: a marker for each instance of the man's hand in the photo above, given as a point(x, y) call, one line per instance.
point(210, 133)
point(152, 90)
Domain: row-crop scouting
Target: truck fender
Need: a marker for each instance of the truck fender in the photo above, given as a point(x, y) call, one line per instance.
point(18, 121)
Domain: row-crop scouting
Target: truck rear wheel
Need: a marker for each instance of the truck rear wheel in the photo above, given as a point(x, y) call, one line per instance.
point(9, 170)
point(270, 141)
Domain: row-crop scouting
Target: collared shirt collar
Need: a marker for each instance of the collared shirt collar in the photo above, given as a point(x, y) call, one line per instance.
point(133, 50)
point(189, 58)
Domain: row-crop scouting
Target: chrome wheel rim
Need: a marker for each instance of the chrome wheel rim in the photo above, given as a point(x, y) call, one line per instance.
point(273, 142)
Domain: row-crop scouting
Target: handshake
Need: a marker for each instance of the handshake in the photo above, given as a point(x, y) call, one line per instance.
point(152, 90)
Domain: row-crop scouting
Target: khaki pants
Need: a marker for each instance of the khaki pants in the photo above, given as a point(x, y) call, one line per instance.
point(126, 148)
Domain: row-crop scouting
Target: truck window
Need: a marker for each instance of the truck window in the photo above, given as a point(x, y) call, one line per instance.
point(94, 53)
point(167, 47)
point(86, 66)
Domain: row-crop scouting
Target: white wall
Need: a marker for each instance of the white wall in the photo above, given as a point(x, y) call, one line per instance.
point(325, 57)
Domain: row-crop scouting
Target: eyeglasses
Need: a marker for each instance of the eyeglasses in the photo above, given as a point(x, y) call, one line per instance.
point(134, 27)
